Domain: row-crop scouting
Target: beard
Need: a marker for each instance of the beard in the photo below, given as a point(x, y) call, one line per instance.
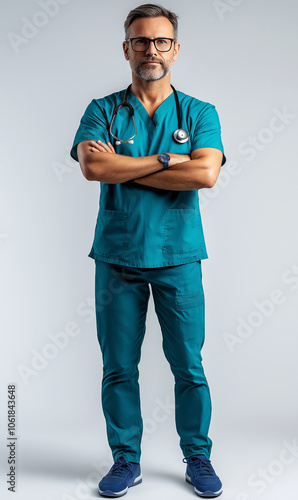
point(148, 73)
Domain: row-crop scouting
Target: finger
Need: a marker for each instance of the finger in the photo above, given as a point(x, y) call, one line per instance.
point(94, 145)
point(103, 145)
point(111, 147)
point(98, 149)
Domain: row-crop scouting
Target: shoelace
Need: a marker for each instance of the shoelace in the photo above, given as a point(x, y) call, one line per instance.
point(201, 465)
point(119, 466)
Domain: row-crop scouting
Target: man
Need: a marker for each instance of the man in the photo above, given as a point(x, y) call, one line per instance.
point(149, 230)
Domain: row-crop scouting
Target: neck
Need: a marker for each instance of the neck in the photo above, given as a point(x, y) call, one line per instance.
point(151, 91)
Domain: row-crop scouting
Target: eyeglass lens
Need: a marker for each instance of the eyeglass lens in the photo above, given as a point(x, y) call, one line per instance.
point(142, 44)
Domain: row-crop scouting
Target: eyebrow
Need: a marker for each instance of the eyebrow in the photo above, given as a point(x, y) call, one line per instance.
point(149, 38)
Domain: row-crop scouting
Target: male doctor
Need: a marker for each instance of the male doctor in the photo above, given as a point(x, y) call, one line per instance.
point(151, 158)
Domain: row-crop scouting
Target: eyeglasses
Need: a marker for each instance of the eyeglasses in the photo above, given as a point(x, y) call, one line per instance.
point(141, 44)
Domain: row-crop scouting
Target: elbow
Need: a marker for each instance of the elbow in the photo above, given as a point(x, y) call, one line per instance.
point(89, 172)
point(210, 181)
point(209, 167)
point(86, 173)
point(210, 178)
point(91, 165)
point(85, 169)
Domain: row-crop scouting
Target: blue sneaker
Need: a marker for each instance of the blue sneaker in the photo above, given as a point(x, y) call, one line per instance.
point(121, 476)
point(200, 473)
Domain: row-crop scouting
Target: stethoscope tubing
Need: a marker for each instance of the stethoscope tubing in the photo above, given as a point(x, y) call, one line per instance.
point(125, 103)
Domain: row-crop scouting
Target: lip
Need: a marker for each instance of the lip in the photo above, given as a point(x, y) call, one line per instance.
point(151, 62)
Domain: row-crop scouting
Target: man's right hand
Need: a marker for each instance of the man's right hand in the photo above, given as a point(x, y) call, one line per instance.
point(175, 158)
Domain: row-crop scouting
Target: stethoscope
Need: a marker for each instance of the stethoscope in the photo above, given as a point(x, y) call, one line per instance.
point(180, 135)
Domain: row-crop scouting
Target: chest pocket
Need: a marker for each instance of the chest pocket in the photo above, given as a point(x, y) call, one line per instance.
point(110, 236)
point(183, 231)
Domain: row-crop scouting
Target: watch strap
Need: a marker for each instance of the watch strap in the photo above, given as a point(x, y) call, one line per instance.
point(164, 158)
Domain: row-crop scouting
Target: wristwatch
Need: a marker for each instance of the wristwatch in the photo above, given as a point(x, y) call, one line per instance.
point(164, 158)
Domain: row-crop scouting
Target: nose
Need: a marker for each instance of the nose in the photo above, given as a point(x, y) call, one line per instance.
point(151, 49)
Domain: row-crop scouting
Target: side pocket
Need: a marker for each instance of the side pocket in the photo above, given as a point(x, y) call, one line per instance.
point(110, 237)
point(183, 231)
point(189, 300)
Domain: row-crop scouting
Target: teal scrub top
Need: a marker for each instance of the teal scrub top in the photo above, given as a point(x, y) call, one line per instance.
point(138, 225)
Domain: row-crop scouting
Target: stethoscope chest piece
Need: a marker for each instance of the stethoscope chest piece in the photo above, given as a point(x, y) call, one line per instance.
point(180, 136)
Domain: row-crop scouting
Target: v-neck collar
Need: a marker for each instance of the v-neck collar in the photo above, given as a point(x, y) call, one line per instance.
point(160, 111)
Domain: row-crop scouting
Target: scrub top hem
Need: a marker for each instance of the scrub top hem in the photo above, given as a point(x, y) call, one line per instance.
point(177, 262)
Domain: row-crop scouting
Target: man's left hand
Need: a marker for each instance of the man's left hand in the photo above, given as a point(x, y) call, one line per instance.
point(102, 147)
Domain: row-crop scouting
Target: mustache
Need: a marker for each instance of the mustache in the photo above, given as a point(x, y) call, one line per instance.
point(150, 60)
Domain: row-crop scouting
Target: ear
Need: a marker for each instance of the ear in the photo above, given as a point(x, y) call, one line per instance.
point(176, 50)
point(125, 50)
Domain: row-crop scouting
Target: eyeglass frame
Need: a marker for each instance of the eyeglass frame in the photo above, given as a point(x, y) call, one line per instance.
point(151, 40)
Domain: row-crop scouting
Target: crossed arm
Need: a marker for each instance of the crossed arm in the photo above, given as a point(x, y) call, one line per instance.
point(99, 161)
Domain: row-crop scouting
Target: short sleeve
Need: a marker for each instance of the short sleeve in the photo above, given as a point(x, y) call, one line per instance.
point(93, 127)
point(207, 132)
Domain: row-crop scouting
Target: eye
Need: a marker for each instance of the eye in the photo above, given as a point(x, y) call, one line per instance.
point(140, 41)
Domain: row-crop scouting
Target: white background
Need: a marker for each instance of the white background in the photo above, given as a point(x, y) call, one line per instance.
point(240, 56)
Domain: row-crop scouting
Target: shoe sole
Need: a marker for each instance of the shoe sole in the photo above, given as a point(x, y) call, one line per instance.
point(110, 493)
point(206, 493)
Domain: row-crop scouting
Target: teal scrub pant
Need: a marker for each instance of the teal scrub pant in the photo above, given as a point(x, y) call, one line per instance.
point(121, 301)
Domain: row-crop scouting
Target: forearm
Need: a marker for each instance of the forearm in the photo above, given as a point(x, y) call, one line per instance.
point(186, 176)
point(115, 168)
point(101, 163)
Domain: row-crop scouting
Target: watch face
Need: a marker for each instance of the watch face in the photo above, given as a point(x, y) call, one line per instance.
point(164, 157)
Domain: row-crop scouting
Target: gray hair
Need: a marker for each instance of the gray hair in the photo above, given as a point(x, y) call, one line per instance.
point(151, 10)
